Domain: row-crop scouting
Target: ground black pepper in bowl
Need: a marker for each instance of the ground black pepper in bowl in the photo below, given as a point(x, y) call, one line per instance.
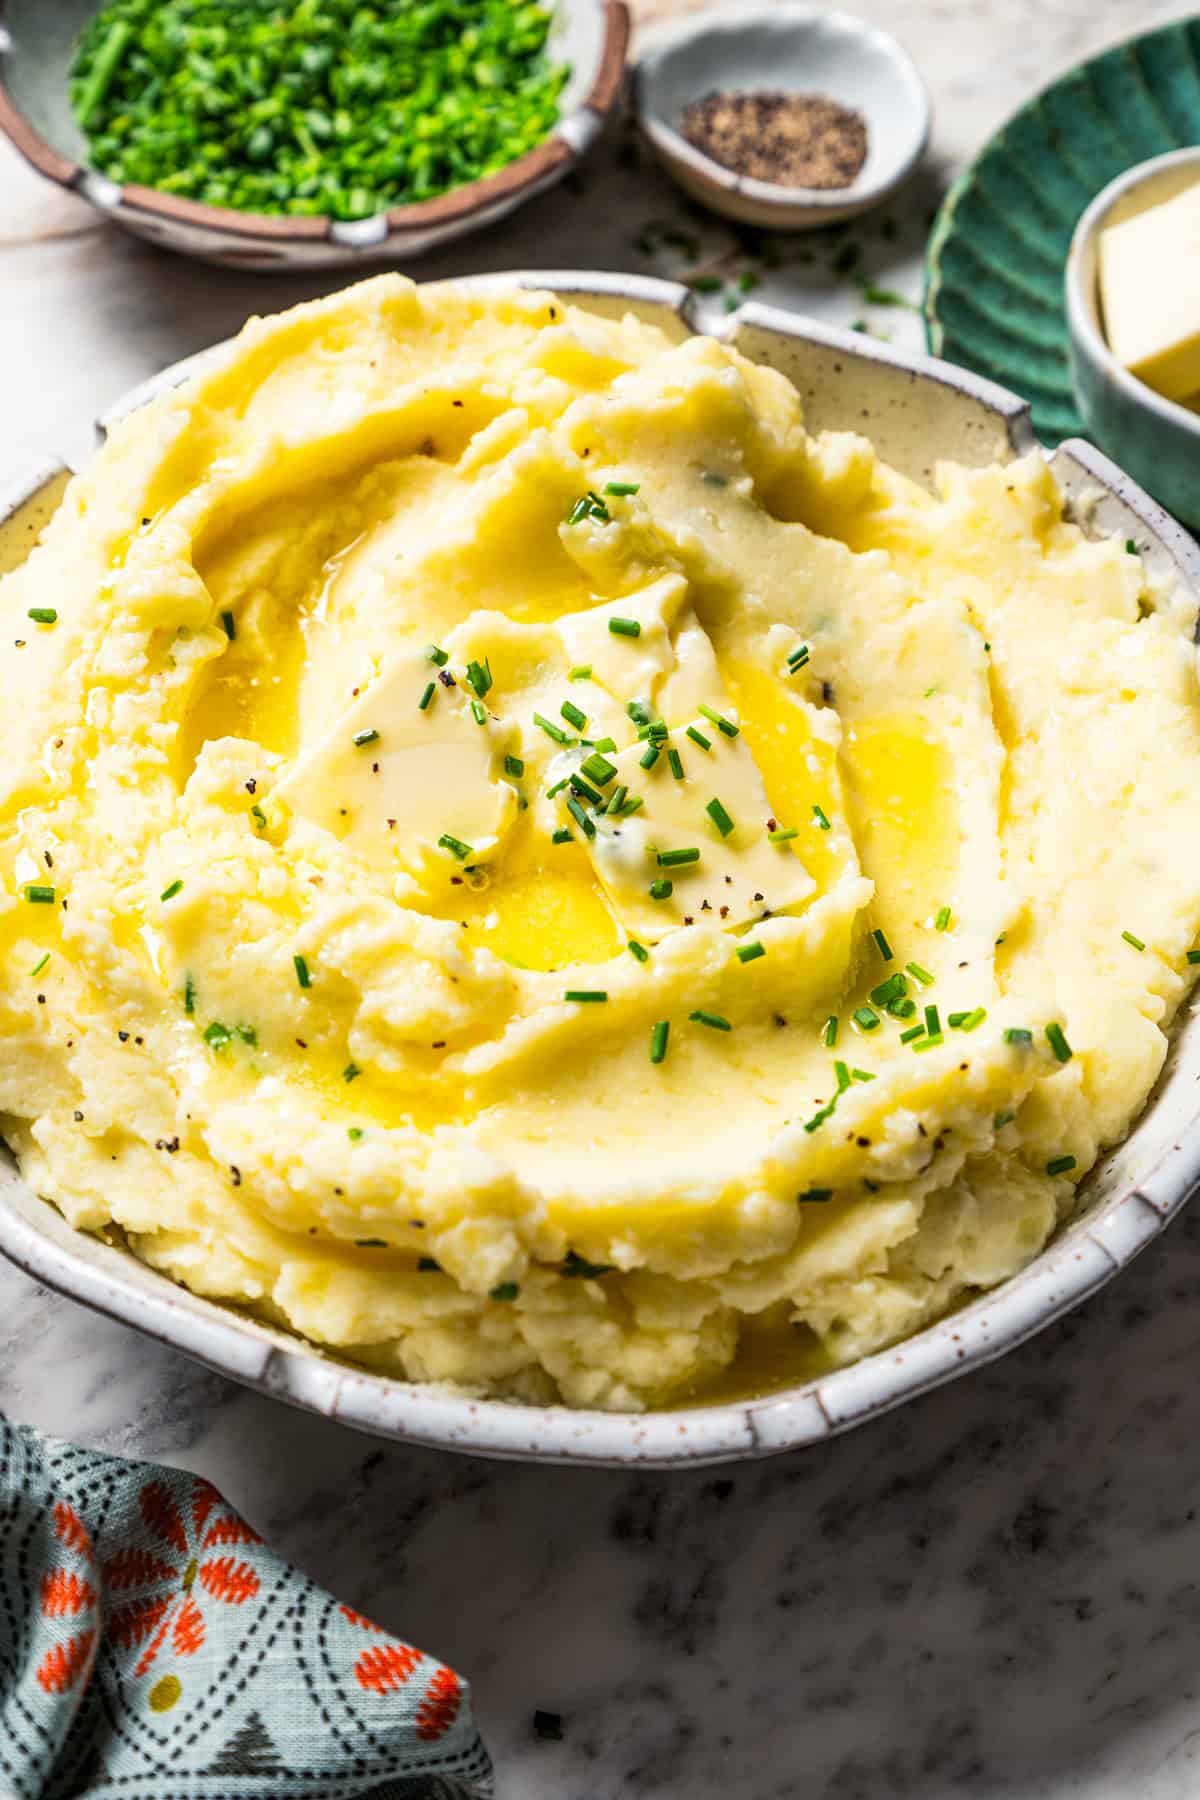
point(790, 140)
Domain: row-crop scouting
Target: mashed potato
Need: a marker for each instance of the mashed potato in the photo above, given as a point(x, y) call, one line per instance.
point(520, 863)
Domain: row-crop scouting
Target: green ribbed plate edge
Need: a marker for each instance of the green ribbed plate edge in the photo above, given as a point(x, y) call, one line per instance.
point(995, 259)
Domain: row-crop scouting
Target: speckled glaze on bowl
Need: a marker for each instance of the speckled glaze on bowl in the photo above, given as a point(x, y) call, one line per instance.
point(37, 42)
point(1156, 440)
point(918, 412)
point(800, 49)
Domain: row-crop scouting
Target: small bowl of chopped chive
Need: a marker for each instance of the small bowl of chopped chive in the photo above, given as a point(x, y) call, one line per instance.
point(788, 118)
point(308, 133)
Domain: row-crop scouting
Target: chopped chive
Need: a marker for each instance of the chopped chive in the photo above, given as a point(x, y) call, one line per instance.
point(354, 1133)
point(829, 1031)
point(711, 478)
point(714, 1021)
point(866, 1018)
point(362, 738)
point(629, 628)
point(302, 971)
point(942, 920)
point(661, 890)
point(658, 1040)
point(479, 712)
point(228, 622)
point(819, 1117)
point(585, 824)
point(797, 659)
point(172, 888)
point(955, 1019)
point(821, 818)
point(882, 945)
point(903, 1008)
point(573, 715)
point(841, 1074)
point(783, 834)
point(259, 817)
point(1130, 547)
point(933, 1024)
point(966, 1021)
point(1193, 956)
point(675, 762)
point(217, 1036)
point(586, 996)
point(639, 951)
point(189, 994)
point(514, 766)
point(505, 1290)
point(436, 655)
point(649, 756)
point(247, 1033)
point(1061, 1165)
point(638, 711)
point(40, 964)
point(726, 726)
point(455, 846)
point(1056, 1038)
point(1001, 1119)
point(479, 675)
point(632, 805)
point(351, 1072)
point(43, 615)
point(605, 745)
point(861, 1075)
point(581, 672)
point(1135, 941)
point(719, 817)
point(1017, 1034)
point(813, 1195)
point(562, 836)
point(930, 1043)
point(426, 1265)
point(894, 988)
point(698, 737)
point(40, 896)
point(621, 488)
point(580, 1269)
point(914, 1031)
point(919, 974)
point(617, 798)
point(750, 952)
point(558, 787)
point(583, 791)
point(597, 768)
point(551, 729)
point(675, 859)
point(427, 695)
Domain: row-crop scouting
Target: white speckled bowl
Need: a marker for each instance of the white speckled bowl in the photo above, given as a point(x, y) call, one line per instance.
point(917, 411)
point(801, 50)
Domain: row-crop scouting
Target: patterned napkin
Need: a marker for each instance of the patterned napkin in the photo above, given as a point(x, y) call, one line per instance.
point(153, 1648)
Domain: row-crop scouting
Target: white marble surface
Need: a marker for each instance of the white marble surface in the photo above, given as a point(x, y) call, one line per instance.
point(994, 1592)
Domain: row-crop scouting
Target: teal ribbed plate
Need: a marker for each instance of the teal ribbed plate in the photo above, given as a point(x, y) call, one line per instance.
point(996, 255)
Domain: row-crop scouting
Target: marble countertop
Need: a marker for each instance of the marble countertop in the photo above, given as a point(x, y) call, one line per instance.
point(992, 1592)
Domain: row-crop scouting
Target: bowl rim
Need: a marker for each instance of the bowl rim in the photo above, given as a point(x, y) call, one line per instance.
point(1082, 316)
point(567, 141)
point(722, 23)
point(1091, 1248)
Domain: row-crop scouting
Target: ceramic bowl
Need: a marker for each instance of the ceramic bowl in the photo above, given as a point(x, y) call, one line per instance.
point(1156, 439)
point(37, 41)
point(918, 412)
point(801, 50)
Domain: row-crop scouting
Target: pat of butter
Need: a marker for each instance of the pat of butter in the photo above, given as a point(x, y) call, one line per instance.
point(1150, 287)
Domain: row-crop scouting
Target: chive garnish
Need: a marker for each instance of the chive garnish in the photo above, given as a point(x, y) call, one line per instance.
point(903, 1008)
point(1057, 1041)
point(930, 1043)
point(629, 628)
point(698, 737)
point(866, 1018)
point(1193, 956)
point(354, 1133)
point(621, 488)
point(562, 836)
point(829, 1031)
point(1135, 941)
point(351, 1072)
point(40, 896)
point(479, 712)
point(230, 625)
point(259, 817)
point(649, 756)
point(585, 824)
point(894, 988)
point(172, 888)
point(551, 729)
point(658, 1040)
point(514, 766)
point(581, 1269)
point(797, 659)
point(943, 918)
point(217, 1036)
point(631, 806)
point(362, 738)
point(1130, 547)
point(638, 951)
point(455, 846)
point(436, 655)
point(675, 761)
point(605, 745)
point(919, 974)
point(504, 1290)
point(581, 672)
point(675, 859)
point(617, 798)
point(638, 711)
point(841, 1074)
point(588, 506)
point(783, 834)
point(914, 1031)
point(719, 817)
point(43, 615)
point(247, 1033)
point(821, 818)
point(427, 1265)
point(586, 996)
point(861, 1075)
point(597, 768)
point(881, 944)
point(814, 1195)
point(726, 726)
point(661, 890)
point(1060, 1165)
point(967, 1021)
point(933, 1023)
point(1017, 1034)
point(427, 695)
point(189, 994)
point(572, 714)
point(1001, 1119)
point(714, 1021)
point(479, 675)
point(40, 964)
point(750, 952)
point(302, 971)
point(583, 791)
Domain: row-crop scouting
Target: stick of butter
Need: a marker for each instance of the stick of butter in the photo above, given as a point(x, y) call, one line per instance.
point(1150, 287)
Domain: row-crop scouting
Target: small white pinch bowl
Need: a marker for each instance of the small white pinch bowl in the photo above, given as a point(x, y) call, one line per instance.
point(798, 49)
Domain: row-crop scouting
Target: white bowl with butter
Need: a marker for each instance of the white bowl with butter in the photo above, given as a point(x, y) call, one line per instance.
point(1132, 294)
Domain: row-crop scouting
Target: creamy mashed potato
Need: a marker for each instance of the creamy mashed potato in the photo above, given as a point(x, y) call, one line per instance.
point(522, 864)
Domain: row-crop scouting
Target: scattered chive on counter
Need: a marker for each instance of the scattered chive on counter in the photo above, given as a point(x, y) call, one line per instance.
point(337, 109)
